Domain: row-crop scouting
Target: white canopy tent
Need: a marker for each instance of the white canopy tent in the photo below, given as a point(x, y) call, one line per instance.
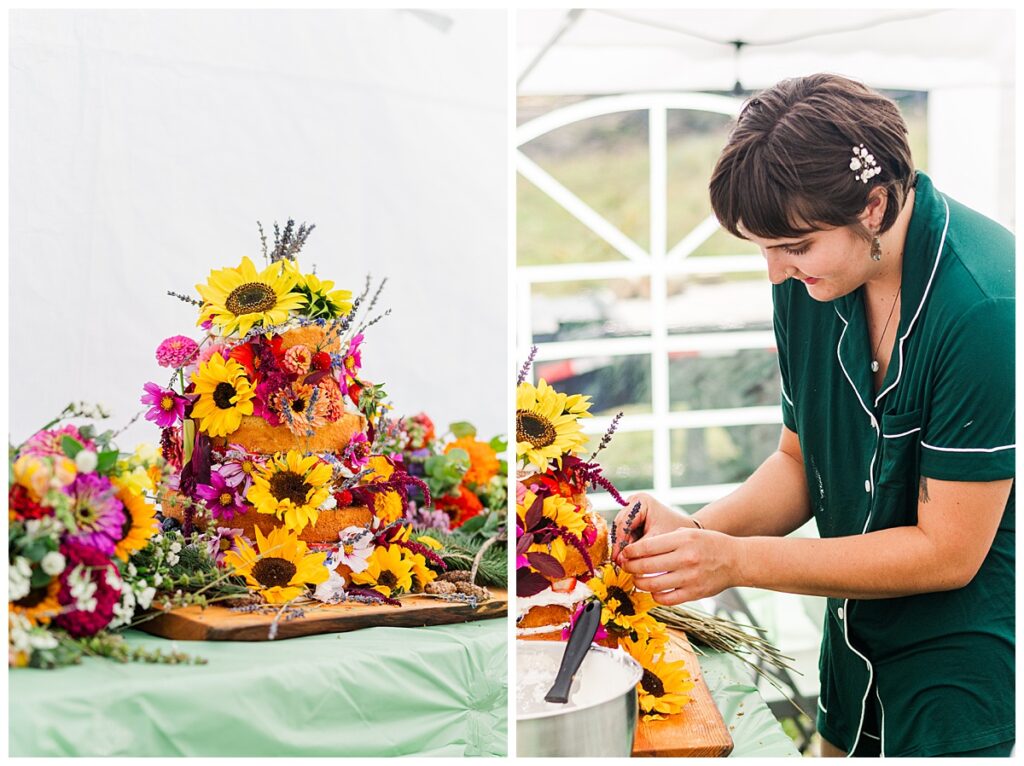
point(964, 59)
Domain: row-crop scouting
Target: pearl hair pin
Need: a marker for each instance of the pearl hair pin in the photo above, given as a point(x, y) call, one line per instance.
point(863, 164)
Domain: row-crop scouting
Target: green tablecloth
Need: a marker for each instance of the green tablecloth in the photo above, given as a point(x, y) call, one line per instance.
point(755, 731)
point(381, 691)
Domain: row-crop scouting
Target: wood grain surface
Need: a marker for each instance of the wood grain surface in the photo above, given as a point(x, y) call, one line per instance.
point(698, 730)
point(218, 623)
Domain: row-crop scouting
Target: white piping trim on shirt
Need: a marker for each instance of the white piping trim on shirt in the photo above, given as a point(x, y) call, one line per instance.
point(786, 397)
point(970, 449)
point(924, 297)
point(823, 710)
point(905, 433)
point(881, 708)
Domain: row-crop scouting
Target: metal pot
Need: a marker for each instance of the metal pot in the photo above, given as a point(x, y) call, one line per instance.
point(600, 718)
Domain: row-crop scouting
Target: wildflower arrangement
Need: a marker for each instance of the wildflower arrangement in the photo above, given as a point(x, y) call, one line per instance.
point(81, 522)
point(556, 533)
point(270, 427)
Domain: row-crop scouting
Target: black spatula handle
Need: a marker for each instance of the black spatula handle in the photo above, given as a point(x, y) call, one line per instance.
point(575, 650)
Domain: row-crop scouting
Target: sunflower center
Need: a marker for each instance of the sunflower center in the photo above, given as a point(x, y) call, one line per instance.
point(533, 428)
point(251, 298)
point(273, 572)
point(387, 578)
point(652, 684)
point(34, 598)
point(223, 394)
point(167, 403)
point(225, 498)
point(288, 485)
point(126, 527)
point(625, 602)
point(298, 405)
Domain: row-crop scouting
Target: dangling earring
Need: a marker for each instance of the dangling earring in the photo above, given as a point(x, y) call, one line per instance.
point(876, 249)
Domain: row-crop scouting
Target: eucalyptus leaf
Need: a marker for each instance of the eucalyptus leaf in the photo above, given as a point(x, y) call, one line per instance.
point(106, 461)
point(462, 428)
point(71, 446)
point(498, 444)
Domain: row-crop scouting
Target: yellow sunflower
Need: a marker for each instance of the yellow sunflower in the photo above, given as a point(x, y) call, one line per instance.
point(292, 487)
point(623, 608)
point(40, 605)
point(322, 300)
point(663, 688)
point(139, 522)
point(561, 511)
point(387, 506)
point(547, 423)
point(281, 568)
point(420, 569)
point(236, 299)
point(225, 395)
point(388, 571)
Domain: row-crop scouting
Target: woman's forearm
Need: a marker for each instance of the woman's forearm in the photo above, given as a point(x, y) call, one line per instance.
point(772, 502)
point(901, 561)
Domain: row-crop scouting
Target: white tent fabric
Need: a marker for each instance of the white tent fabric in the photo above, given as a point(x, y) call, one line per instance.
point(963, 58)
point(145, 145)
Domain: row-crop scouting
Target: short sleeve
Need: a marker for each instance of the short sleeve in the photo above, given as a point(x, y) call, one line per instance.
point(779, 298)
point(969, 433)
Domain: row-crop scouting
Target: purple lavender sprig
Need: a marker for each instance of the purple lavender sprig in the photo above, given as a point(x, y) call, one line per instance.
point(607, 438)
point(185, 298)
point(525, 369)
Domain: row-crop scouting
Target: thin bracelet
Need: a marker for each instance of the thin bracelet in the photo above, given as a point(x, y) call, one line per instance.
point(699, 525)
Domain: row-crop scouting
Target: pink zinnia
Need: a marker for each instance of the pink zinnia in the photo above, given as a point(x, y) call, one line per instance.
point(99, 515)
point(351, 365)
point(176, 351)
point(167, 407)
point(47, 443)
point(222, 500)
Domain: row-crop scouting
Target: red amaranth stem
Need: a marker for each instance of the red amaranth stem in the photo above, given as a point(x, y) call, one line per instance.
point(423, 550)
point(576, 543)
point(375, 595)
point(601, 481)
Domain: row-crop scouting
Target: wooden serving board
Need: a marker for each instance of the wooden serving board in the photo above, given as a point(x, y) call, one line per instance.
point(218, 623)
point(698, 730)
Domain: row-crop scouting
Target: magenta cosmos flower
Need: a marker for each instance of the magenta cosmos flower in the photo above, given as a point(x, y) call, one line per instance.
point(167, 407)
point(176, 351)
point(222, 500)
point(99, 515)
point(351, 365)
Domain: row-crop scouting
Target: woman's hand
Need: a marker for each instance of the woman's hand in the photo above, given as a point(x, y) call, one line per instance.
point(683, 565)
point(652, 518)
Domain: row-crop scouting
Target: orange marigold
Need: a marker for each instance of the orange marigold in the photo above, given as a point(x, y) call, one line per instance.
point(461, 507)
point(483, 461)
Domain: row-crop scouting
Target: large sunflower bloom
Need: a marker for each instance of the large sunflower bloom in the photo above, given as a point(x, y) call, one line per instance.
point(547, 425)
point(139, 522)
point(236, 299)
point(322, 300)
point(663, 688)
point(623, 608)
point(281, 568)
point(560, 511)
point(388, 571)
point(39, 605)
point(292, 487)
point(225, 395)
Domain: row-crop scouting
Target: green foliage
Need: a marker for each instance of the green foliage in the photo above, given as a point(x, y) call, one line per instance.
point(458, 549)
point(71, 446)
point(462, 428)
point(444, 472)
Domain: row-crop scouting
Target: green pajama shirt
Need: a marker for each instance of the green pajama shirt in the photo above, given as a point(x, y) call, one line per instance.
point(928, 674)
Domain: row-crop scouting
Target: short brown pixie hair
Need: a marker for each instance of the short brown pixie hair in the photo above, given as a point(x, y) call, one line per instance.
point(785, 170)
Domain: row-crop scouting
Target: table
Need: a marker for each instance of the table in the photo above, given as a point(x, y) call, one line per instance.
point(755, 731)
point(437, 691)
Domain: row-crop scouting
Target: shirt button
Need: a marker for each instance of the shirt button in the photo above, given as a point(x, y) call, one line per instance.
point(839, 613)
point(867, 485)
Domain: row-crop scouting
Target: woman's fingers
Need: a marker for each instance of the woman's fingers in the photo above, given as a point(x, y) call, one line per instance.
point(629, 524)
point(648, 565)
point(654, 545)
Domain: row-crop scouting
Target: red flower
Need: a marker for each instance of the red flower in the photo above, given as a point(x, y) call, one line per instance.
point(249, 357)
point(97, 567)
point(461, 507)
point(22, 506)
point(344, 498)
point(322, 360)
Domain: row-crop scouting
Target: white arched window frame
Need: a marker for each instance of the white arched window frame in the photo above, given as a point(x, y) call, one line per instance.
point(657, 264)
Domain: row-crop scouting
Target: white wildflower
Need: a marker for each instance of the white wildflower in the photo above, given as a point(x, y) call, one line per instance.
point(19, 581)
point(86, 461)
point(53, 563)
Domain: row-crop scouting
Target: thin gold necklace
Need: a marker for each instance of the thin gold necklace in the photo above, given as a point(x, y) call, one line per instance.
point(874, 359)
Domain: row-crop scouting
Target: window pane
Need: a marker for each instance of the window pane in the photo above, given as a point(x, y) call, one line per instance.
point(713, 380)
point(605, 162)
point(627, 461)
point(547, 233)
point(701, 303)
point(720, 455)
point(614, 383)
point(594, 308)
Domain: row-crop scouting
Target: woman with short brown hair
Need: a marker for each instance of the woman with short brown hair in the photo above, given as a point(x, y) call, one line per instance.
point(894, 320)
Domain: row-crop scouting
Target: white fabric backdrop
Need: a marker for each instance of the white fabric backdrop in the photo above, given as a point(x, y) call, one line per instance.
point(144, 145)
